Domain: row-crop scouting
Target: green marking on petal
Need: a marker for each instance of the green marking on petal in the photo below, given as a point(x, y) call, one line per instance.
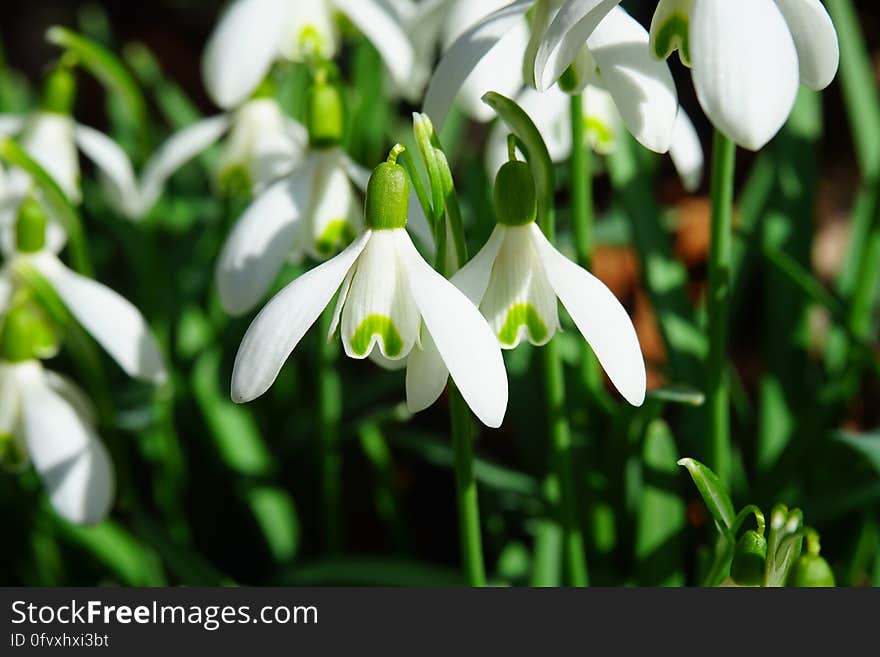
point(337, 235)
point(310, 40)
point(673, 35)
point(601, 135)
point(522, 314)
point(235, 182)
point(12, 456)
point(383, 327)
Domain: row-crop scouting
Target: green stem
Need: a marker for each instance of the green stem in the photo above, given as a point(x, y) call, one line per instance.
point(466, 490)
point(329, 413)
point(581, 183)
point(718, 302)
point(560, 434)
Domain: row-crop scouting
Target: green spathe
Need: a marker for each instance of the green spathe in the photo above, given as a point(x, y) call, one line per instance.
point(516, 199)
point(381, 326)
point(522, 314)
point(59, 91)
point(30, 226)
point(387, 201)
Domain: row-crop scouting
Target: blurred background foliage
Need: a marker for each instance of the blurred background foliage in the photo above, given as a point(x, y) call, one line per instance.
point(214, 493)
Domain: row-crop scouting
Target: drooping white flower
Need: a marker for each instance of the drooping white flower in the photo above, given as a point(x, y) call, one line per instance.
point(254, 33)
point(597, 41)
point(52, 422)
point(391, 302)
point(516, 280)
point(112, 320)
point(313, 211)
point(602, 125)
point(747, 58)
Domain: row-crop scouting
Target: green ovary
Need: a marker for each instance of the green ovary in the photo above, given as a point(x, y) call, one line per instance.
point(674, 34)
point(522, 314)
point(337, 234)
point(383, 327)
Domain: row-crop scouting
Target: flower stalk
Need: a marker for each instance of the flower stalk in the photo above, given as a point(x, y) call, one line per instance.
point(718, 303)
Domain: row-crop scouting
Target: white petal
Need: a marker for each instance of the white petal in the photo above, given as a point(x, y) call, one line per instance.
point(334, 217)
point(112, 161)
point(686, 152)
point(112, 320)
point(426, 375)
point(600, 317)
point(671, 20)
point(283, 322)
point(497, 71)
point(642, 86)
point(378, 24)
point(70, 458)
point(49, 141)
point(242, 48)
point(465, 342)
point(519, 302)
point(473, 278)
point(177, 150)
point(359, 175)
point(745, 68)
point(12, 124)
point(73, 395)
point(260, 242)
point(394, 365)
point(380, 309)
point(568, 32)
point(7, 288)
point(815, 39)
point(463, 56)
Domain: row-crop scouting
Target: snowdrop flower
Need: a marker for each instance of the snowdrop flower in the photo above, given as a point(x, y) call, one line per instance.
point(112, 321)
point(262, 144)
point(391, 301)
point(595, 41)
point(313, 211)
point(747, 58)
point(53, 139)
point(50, 420)
point(602, 123)
point(252, 34)
point(516, 279)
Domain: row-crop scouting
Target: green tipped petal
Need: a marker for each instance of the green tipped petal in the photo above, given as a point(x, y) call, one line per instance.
point(381, 327)
point(670, 30)
point(522, 314)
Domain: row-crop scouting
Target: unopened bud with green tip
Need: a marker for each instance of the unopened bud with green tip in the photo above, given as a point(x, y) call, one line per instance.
point(30, 226)
point(59, 91)
point(325, 114)
point(387, 202)
point(516, 198)
point(811, 570)
point(749, 558)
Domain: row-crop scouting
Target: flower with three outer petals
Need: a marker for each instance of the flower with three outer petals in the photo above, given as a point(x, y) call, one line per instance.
point(747, 57)
point(391, 302)
point(602, 126)
point(516, 279)
point(112, 320)
point(252, 34)
point(51, 421)
point(262, 145)
point(596, 41)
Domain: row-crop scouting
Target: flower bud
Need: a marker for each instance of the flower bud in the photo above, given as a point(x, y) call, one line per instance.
point(387, 201)
point(516, 199)
point(30, 226)
point(325, 115)
point(747, 568)
point(811, 570)
point(59, 91)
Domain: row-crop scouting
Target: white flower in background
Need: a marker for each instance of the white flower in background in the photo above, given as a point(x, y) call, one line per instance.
point(262, 145)
point(51, 421)
point(602, 125)
point(747, 58)
point(595, 40)
point(112, 320)
point(391, 302)
point(313, 211)
point(516, 279)
point(252, 34)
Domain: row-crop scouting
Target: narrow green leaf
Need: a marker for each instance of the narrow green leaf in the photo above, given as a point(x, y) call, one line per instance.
point(275, 512)
point(714, 493)
point(679, 394)
point(866, 444)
